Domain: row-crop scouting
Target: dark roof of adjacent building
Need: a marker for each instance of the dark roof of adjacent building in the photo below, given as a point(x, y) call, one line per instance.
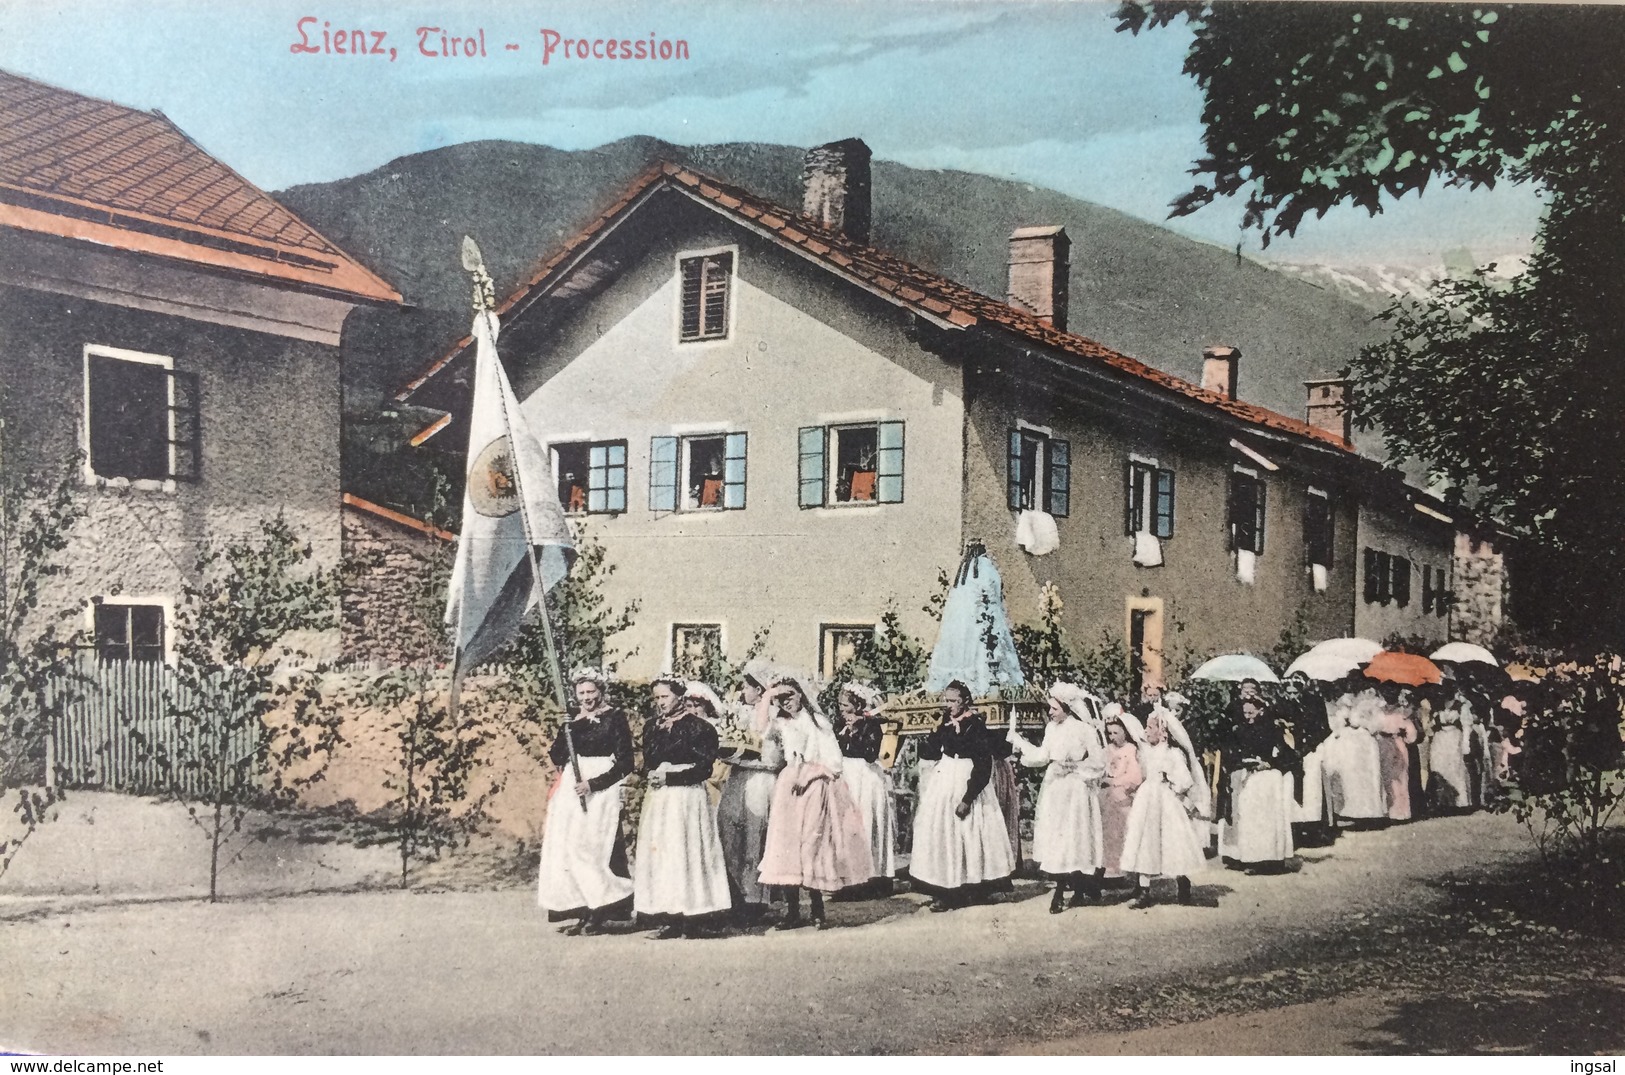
point(79, 168)
point(928, 294)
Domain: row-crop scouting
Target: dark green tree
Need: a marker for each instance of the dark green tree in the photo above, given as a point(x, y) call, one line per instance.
point(1510, 389)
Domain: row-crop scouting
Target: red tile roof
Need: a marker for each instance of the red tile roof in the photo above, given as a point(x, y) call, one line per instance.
point(937, 297)
point(76, 167)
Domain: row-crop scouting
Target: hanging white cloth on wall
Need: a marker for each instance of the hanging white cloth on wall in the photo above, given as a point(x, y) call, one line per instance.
point(1246, 563)
point(1147, 549)
point(1318, 573)
point(1037, 533)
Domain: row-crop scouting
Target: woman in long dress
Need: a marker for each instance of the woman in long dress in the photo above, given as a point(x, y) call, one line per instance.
point(1255, 777)
point(583, 872)
point(1448, 779)
point(1352, 759)
point(1396, 732)
point(1160, 840)
point(680, 875)
point(961, 844)
point(1118, 785)
point(747, 796)
point(1067, 840)
point(815, 834)
point(860, 735)
point(1311, 731)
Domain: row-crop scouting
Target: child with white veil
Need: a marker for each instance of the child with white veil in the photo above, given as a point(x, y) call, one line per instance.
point(1161, 838)
point(1067, 839)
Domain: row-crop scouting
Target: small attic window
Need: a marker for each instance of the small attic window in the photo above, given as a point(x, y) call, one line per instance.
point(705, 286)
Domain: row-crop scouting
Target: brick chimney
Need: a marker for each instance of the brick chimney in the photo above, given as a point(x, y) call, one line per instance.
point(835, 187)
point(1040, 272)
point(1328, 406)
point(1220, 368)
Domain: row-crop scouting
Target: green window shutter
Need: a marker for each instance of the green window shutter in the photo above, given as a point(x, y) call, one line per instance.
point(1059, 484)
point(1131, 509)
point(811, 442)
point(1164, 518)
point(889, 463)
point(691, 271)
point(1013, 475)
point(1402, 581)
point(1369, 564)
point(663, 474)
point(1260, 490)
point(733, 472)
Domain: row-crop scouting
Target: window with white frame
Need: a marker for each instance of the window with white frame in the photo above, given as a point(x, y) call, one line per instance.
point(852, 463)
point(696, 649)
point(705, 472)
point(839, 643)
point(1039, 472)
point(129, 630)
point(1247, 515)
point(141, 417)
point(706, 281)
point(592, 476)
point(1148, 499)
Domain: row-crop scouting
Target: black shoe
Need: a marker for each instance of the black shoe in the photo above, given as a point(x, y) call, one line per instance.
point(670, 932)
point(790, 922)
point(939, 905)
point(576, 928)
point(1056, 904)
point(1142, 900)
point(1185, 891)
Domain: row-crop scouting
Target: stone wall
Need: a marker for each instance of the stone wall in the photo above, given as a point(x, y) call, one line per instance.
point(1480, 580)
point(387, 611)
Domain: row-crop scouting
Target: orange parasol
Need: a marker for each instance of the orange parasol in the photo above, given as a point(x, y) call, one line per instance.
point(1409, 669)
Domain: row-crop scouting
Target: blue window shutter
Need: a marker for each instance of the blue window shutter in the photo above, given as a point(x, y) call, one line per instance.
point(733, 472)
point(1060, 478)
point(663, 474)
point(812, 466)
point(889, 464)
point(1163, 518)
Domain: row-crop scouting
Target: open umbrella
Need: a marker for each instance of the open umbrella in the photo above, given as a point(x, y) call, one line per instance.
point(1235, 667)
point(1410, 669)
point(1358, 650)
point(1326, 667)
point(1464, 653)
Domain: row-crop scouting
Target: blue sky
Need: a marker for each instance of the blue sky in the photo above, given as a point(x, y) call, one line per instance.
point(1047, 93)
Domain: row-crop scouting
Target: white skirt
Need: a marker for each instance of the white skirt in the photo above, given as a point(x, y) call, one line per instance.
point(1449, 770)
point(1160, 839)
point(577, 844)
point(870, 786)
point(1313, 808)
point(679, 869)
point(742, 826)
point(1261, 804)
point(1067, 835)
point(1354, 775)
point(950, 852)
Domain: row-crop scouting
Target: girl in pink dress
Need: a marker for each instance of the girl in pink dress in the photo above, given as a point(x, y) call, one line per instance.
point(1123, 777)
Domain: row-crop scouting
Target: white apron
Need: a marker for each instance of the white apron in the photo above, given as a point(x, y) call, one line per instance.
point(1448, 760)
point(1354, 775)
point(679, 868)
point(1313, 808)
point(870, 786)
point(950, 852)
point(1261, 804)
point(576, 844)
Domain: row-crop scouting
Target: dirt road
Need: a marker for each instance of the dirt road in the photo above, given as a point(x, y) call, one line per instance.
point(387, 972)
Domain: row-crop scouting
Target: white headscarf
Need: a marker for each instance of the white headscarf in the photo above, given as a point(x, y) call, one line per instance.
point(868, 697)
point(699, 690)
point(1131, 724)
point(587, 674)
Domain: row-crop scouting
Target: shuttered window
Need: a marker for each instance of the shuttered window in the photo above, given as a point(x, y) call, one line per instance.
point(663, 474)
point(850, 464)
point(1247, 497)
point(1401, 586)
point(1319, 529)
point(705, 286)
point(811, 439)
point(1148, 499)
point(1039, 473)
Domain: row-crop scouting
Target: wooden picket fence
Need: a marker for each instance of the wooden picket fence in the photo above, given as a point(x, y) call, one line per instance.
point(111, 708)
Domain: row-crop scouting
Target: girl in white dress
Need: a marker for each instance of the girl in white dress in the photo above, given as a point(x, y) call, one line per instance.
point(1160, 840)
point(1067, 838)
point(1353, 764)
point(1447, 755)
point(747, 796)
